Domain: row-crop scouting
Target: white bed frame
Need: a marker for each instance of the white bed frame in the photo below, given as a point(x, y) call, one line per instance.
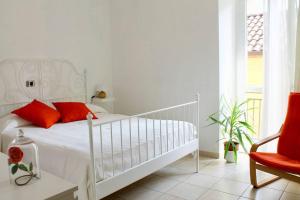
point(54, 80)
point(59, 80)
point(118, 181)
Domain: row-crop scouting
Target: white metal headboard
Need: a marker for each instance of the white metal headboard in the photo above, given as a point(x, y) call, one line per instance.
point(50, 80)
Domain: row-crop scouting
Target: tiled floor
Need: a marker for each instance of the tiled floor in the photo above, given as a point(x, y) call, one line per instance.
point(217, 180)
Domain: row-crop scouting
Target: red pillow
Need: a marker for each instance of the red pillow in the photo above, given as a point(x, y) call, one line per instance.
point(72, 111)
point(38, 113)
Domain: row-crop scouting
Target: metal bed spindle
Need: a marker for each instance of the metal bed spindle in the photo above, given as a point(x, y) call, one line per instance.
point(167, 131)
point(173, 132)
point(153, 123)
point(130, 144)
point(112, 149)
point(190, 121)
point(160, 136)
point(189, 118)
point(93, 177)
point(101, 152)
point(139, 138)
point(198, 136)
point(193, 121)
point(183, 124)
point(147, 147)
point(178, 131)
point(122, 148)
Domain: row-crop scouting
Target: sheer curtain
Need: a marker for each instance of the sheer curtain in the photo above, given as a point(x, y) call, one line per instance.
point(297, 69)
point(233, 50)
point(280, 51)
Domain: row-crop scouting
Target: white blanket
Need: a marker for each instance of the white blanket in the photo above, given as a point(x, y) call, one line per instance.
point(64, 148)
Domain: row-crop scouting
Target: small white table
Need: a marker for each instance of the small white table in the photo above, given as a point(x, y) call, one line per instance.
point(48, 187)
point(106, 103)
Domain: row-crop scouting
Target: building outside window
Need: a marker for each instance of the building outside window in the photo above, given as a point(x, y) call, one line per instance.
point(255, 63)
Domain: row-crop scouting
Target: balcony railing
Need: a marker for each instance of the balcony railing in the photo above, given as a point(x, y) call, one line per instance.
point(254, 110)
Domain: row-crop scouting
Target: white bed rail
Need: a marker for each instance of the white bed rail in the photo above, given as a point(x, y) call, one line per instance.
point(163, 136)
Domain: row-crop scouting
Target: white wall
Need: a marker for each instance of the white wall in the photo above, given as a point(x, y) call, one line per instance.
point(76, 30)
point(163, 53)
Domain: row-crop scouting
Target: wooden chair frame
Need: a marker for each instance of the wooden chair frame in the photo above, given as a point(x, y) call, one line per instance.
point(256, 166)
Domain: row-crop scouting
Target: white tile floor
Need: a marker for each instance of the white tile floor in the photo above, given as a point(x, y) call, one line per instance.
point(217, 180)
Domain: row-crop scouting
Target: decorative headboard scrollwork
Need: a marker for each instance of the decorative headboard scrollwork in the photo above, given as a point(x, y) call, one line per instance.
point(52, 80)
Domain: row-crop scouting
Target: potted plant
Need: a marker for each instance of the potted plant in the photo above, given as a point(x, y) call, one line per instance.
point(235, 128)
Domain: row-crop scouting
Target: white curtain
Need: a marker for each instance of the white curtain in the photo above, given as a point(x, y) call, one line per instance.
point(297, 67)
point(280, 51)
point(233, 50)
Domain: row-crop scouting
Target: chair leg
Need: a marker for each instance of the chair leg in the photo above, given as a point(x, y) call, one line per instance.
point(253, 176)
point(266, 182)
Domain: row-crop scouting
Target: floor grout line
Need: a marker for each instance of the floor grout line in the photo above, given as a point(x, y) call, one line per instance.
point(281, 195)
point(228, 173)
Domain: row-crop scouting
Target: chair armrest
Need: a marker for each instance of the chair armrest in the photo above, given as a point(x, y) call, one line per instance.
point(264, 141)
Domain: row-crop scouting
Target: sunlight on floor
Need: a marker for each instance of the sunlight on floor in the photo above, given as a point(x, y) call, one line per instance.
point(217, 180)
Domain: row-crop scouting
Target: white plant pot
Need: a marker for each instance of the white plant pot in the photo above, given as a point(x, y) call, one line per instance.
point(230, 157)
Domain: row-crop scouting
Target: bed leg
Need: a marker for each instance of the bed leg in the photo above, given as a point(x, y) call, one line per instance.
point(198, 132)
point(197, 161)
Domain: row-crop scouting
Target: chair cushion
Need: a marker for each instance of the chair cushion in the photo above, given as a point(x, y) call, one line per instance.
point(277, 161)
point(289, 141)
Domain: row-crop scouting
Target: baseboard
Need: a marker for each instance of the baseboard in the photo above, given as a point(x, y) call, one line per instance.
point(209, 154)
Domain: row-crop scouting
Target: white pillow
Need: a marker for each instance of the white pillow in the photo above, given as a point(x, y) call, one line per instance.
point(10, 121)
point(96, 109)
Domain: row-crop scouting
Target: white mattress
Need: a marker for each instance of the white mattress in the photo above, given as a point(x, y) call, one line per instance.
point(64, 148)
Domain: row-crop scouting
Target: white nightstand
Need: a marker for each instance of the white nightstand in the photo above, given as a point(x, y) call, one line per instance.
point(106, 103)
point(48, 187)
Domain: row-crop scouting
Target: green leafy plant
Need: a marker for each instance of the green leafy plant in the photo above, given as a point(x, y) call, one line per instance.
point(234, 126)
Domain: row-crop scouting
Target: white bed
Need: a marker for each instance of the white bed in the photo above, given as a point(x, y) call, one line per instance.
point(100, 162)
point(64, 148)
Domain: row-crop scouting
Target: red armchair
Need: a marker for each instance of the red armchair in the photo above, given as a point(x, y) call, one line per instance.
point(286, 162)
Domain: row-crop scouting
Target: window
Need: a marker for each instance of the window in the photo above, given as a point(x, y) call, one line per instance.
point(255, 62)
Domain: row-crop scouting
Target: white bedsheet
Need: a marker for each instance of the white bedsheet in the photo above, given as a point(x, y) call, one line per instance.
point(64, 148)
